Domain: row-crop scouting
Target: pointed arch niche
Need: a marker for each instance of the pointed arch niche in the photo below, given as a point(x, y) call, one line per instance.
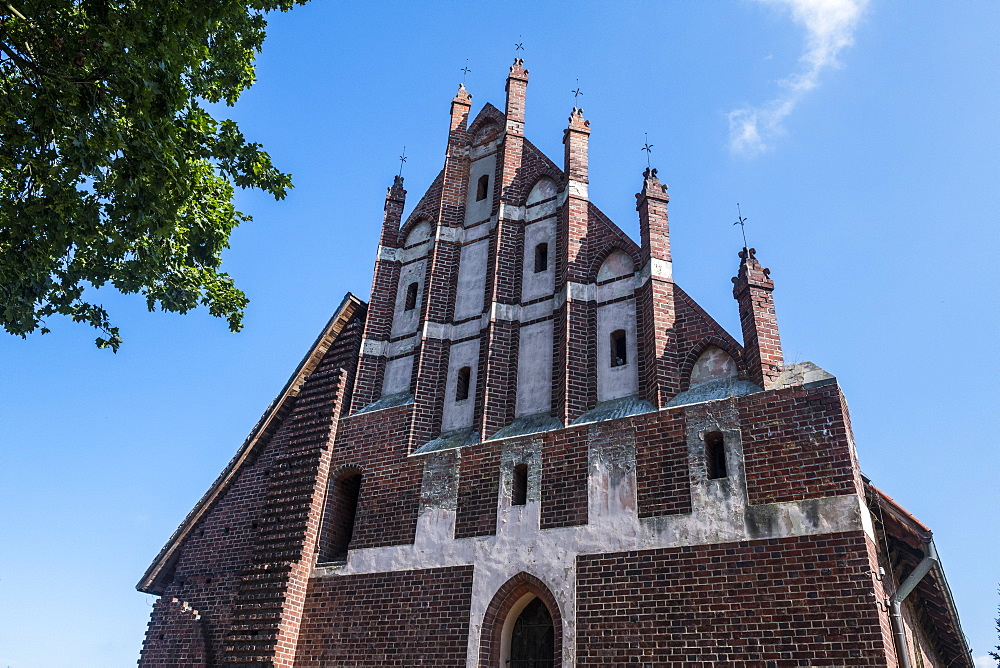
point(516, 622)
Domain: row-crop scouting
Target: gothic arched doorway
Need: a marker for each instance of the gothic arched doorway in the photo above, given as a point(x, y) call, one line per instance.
point(532, 639)
point(522, 626)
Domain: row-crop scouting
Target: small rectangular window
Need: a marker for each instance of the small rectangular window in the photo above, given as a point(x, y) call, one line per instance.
point(715, 455)
point(411, 297)
point(462, 386)
point(482, 187)
point(541, 258)
point(519, 486)
point(619, 348)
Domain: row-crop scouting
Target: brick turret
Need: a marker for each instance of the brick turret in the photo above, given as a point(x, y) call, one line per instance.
point(378, 325)
point(575, 388)
point(498, 353)
point(658, 373)
point(752, 288)
point(438, 305)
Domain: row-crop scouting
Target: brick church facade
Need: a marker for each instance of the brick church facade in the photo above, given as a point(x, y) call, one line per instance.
point(532, 448)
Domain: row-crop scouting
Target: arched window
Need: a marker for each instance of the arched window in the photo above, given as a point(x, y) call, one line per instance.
point(482, 187)
point(341, 511)
point(619, 348)
point(519, 486)
point(462, 386)
point(715, 455)
point(541, 258)
point(532, 640)
point(411, 297)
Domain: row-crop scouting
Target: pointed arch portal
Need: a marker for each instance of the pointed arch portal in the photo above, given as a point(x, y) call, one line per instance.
point(522, 627)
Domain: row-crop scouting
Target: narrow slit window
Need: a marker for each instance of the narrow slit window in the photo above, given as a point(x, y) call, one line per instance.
point(462, 386)
point(619, 348)
point(519, 486)
point(541, 258)
point(482, 187)
point(715, 455)
point(411, 297)
point(341, 514)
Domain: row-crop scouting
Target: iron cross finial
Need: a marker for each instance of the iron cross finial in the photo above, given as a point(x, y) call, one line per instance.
point(465, 71)
point(519, 47)
point(742, 223)
point(648, 148)
point(576, 92)
point(402, 159)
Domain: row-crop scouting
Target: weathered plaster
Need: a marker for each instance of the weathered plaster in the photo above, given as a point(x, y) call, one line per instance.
point(720, 514)
point(616, 381)
point(397, 375)
point(534, 369)
point(458, 414)
point(472, 270)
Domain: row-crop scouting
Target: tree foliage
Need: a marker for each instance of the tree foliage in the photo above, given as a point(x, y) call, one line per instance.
point(112, 171)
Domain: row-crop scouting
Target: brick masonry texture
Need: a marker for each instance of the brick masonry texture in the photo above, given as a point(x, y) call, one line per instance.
point(376, 445)
point(256, 574)
point(803, 601)
point(661, 465)
point(407, 618)
point(797, 445)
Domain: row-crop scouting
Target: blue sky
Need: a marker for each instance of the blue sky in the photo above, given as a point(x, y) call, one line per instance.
point(860, 140)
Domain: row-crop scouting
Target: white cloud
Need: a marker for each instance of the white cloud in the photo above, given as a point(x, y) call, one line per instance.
point(830, 26)
point(985, 661)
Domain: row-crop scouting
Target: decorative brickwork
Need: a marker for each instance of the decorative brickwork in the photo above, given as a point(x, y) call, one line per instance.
point(499, 608)
point(752, 288)
point(782, 602)
point(407, 618)
point(709, 510)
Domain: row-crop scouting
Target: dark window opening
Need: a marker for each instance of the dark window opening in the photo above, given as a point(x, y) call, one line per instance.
point(715, 455)
point(619, 348)
point(411, 297)
point(462, 387)
point(519, 486)
point(541, 257)
point(342, 510)
point(482, 187)
point(532, 640)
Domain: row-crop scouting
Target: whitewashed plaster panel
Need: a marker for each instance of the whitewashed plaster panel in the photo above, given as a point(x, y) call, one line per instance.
point(614, 382)
point(476, 211)
point(397, 375)
point(458, 414)
point(712, 364)
point(540, 284)
point(615, 289)
point(720, 514)
point(406, 321)
point(534, 369)
point(618, 263)
point(472, 270)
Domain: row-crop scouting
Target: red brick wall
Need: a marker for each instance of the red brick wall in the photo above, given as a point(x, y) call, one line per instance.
point(662, 473)
point(796, 445)
point(564, 478)
point(376, 444)
point(478, 489)
point(176, 636)
point(782, 602)
point(408, 618)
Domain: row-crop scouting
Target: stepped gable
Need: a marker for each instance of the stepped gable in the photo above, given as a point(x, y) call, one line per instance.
point(532, 447)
